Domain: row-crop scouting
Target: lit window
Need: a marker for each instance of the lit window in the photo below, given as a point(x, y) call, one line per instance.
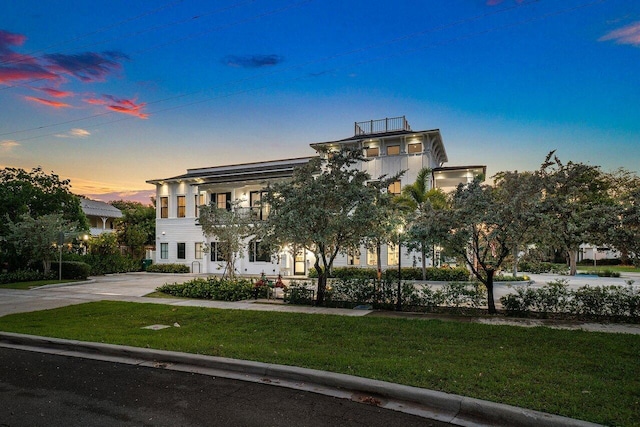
point(223, 201)
point(372, 256)
point(414, 148)
point(372, 152)
point(164, 207)
point(395, 188)
point(392, 255)
point(353, 257)
point(182, 206)
point(164, 251)
point(198, 250)
point(393, 150)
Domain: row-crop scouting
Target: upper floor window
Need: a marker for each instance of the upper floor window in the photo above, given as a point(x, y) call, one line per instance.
point(395, 188)
point(223, 200)
point(182, 206)
point(164, 207)
point(415, 147)
point(372, 151)
point(259, 209)
point(196, 205)
point(393, 150)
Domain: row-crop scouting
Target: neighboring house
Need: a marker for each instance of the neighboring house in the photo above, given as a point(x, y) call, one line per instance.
point(389, 144)
point(101, 216)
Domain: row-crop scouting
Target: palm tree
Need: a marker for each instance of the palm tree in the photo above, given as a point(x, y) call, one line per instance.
point(413, 198)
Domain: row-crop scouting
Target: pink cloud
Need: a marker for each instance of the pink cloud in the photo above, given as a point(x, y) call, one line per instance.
point(629, 34)
point(55, 104)
point(119, 105)
point(56, 93)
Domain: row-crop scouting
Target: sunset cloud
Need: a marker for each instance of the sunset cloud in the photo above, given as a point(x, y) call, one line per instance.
point(55, 92)
point(88, 66)
point(75, 133)
point(629, 34)
point(47, 102)
point(8, 145)
point(119, 105)
point(252, 61)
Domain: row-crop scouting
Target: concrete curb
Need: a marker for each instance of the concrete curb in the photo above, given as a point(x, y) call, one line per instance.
point(454, 409)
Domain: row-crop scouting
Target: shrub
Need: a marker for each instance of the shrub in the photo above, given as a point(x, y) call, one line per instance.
point(73, 269)
point(212, 288)
point(106, 263)
point(168, 268)
point(510, 278)
point(461, 294)
point(435, 274)
point(25, 276)
point(299, 293)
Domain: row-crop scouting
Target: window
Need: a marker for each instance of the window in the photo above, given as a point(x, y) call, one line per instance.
point(182, 250)
point(415, 147)
point(164, 251)
point(392, 254)
point(395, 188)
point(372, 151)
point(182, 206)
point(223, 201)
point(393, 150)
point(198, 250)
point(259, 252)
point(164, 207)
point(195, 204)
point(372, 256)
point(216, 252)
point(353, 257)
point(259, 210)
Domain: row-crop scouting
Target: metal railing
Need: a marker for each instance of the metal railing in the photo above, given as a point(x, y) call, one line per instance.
point(389, 124)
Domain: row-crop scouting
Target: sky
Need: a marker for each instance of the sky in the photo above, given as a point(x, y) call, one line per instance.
point(110, 94)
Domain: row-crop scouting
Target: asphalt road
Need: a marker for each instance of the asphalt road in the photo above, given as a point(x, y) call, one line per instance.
point(38, 389)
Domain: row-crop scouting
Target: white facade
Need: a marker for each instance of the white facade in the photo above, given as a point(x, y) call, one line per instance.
point(180, 240)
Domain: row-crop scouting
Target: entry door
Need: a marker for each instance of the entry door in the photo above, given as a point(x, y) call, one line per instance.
point(299, 264)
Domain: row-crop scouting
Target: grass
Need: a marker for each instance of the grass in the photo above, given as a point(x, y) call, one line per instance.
point(618, 268)
point(33, 284)
point(584, 375)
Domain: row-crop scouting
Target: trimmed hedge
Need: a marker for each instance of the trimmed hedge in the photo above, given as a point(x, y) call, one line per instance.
point(212, 288)
point(25, 276)
point(168, 268)
point(408, 273)
point(73, 270)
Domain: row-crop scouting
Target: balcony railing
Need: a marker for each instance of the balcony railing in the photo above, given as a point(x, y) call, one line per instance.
point(382, 126)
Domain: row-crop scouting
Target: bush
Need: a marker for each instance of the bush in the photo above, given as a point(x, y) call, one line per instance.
point(168, 268)
point(461, 294)
point(299, 293)
point(212, 288)
point(73, 270)
point(25, 276)
point(433, 274)
point(509, 278)
point(106, 263)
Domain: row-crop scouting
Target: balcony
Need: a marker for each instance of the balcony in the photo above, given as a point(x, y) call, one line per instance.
point(391, 124)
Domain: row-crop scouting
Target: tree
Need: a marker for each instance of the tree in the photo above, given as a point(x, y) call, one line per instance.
point(625, 236)
point(520, 194)
point(576, 205)
point(326, 208)
point(137, 226)
point(35, 239)
point(231, 228)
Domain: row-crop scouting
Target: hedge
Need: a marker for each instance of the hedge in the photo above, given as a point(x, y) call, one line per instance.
point(73, 270)
point(168, 268)
point(212, 288)
point(408, 273)
point(25, 276)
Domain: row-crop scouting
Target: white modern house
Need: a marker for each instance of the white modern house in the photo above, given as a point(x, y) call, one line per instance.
point(390, 146)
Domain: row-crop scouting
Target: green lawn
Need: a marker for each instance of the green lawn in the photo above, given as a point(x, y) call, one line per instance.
point(33, 284)
point(618, 268)
point(584, 375)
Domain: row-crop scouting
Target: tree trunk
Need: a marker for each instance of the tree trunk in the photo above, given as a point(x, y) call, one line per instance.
point(515, 261)
point(46, 266)
point(423, 248)
point(573, 255)
point(322, 283)
point(490, 300)
point(378, 259)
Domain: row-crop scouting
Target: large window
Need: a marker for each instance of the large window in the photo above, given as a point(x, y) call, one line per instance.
point(259, 252)
point(182, 250)
point(164, 207)
point(393, 150)
point(164, 251)
point(372, 151)
point(415, 147)
point(353, 257)
point(216, 253)
point(223, 201)
point(198, 250)
point(392, 255)
point(259, 210)
point(182, 206)
point(395, 188)
point(372, 256)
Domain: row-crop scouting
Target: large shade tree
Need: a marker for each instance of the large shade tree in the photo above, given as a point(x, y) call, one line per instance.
point(137, 226)
point(328, 206)
point(625, 236)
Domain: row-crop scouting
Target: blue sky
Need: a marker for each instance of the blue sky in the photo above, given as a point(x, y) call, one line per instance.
point(112, 93)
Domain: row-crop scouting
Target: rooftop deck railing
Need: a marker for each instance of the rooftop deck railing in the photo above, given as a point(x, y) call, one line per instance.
point(389, 124)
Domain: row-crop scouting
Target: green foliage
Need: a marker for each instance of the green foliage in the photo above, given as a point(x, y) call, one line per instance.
point(433, 274)
point(168, 268)
point(25, 276)
point(104, 244)
point(299, 293)
point(213, 288)
point(106, 264)
point(609, 301)
point(508, 278)
point(603, 273)
point(73, 269)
